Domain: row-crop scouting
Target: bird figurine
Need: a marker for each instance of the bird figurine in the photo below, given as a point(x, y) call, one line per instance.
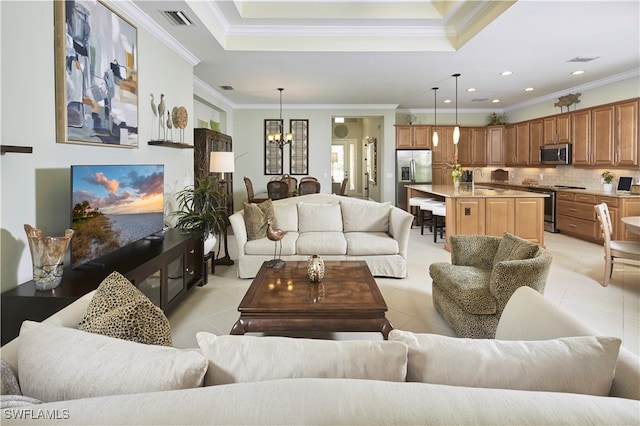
point(276, 235)
point(169, 126)
point(155, 112)
point(161, 113)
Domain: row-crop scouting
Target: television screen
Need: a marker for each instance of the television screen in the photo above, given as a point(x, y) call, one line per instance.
point(113, 206)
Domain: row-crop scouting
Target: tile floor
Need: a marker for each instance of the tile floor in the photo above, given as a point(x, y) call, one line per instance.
point(574, 283)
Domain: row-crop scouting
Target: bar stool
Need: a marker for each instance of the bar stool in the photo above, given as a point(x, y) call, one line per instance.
point(427, 206)
point(414, 207)
point(439, 211)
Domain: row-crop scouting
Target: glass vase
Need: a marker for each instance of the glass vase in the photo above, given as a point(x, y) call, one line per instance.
point(47, 255)
point(456, 184)
point(315, 268)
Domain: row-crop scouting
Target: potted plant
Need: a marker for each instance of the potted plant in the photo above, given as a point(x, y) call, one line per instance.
point(607, 178)
point(202, 206)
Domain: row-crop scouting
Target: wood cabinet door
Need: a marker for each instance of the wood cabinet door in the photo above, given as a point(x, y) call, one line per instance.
point(602, 136)
point(549, 129)
point(563, 128)
point(495, 150)
point(439, 175)
point(421, 137)
point(500, 215)
point(627, 134)
point(522, 144)
point(470, 219)
point(509, 144)
point(581, 137)
point(403, 136)
point(535, 142)
point(465, 147)
point(529, 219)
point(478, 146)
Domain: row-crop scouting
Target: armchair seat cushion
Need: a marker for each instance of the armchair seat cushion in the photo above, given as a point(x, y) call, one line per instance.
point(467, 286)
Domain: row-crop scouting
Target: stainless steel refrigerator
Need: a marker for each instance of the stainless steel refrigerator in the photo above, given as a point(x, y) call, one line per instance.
point(413, 166)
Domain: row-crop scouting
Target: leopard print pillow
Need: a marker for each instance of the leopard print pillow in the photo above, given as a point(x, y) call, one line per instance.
point(118, 309)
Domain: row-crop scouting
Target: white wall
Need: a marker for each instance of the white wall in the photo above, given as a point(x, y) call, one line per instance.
point(35, 187)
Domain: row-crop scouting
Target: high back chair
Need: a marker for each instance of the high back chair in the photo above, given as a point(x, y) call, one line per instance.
point(309, 187)
point(277, 189)
point(613, 249)
point(343, 186)
point(292, 182)
point(249, 185)
point(308, 178)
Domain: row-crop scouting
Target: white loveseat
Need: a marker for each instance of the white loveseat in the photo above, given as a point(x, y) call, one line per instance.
point(297, 398)
point(334, 227)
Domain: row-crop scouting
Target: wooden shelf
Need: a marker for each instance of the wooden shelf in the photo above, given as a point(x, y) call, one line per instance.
point(19, 149)
point(171, 144)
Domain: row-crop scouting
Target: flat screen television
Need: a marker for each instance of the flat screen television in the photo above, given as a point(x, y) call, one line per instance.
point(113, 206)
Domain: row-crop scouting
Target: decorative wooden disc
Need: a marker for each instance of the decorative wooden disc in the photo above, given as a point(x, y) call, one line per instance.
point(181, 117)
point(174, 117)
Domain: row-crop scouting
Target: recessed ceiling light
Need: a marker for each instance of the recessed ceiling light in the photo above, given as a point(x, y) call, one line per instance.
point(471, 89)
point(529, 89)
point(495, 101)
point(577, 72)
point(506, 73)
point(447, 101)
point(338, 120)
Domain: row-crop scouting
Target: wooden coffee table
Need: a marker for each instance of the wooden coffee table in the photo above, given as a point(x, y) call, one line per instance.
point(283, 299)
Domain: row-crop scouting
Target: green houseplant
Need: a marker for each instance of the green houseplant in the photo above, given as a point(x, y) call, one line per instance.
point(202, 206)
point(607, 178)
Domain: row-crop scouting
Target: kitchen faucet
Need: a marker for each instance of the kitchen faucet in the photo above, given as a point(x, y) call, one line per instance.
point(473, 179)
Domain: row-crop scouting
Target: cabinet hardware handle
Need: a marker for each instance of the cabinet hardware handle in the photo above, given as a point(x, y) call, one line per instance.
point(190, 272)
point(192, 251)
point(573, 210)
point(573, 225)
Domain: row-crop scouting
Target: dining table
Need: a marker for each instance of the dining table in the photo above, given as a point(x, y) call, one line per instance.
point(632, 223)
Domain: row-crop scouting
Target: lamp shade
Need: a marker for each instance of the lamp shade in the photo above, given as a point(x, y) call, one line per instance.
point(221, 162)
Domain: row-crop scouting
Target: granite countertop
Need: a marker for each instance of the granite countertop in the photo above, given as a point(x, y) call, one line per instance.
point(599, 192)
point(481, 191)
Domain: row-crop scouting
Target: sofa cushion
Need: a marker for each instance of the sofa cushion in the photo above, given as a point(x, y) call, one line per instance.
point(286, 215)
point(321, 243)
point(319, 217)
point(240, 359)
point(365, 217)
point(60, 363)
point(266, 247)
point(572, 364)
point(255, 219)
point(10, 384)
point(118, 309)
point(512, 247)
point(468, 286)
point(370, 243)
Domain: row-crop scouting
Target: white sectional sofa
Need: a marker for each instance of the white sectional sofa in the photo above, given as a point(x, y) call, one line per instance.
point(277, 380)
point(336, 228)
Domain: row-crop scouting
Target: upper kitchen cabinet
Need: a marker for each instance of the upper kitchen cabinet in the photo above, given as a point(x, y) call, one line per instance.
point(517, 144)
point(413, 136)
point(445, 151)
point(536, 140)
point(581, 137)
point(495, 145)
point(510, 145)
point(557, 129)
point(627, 117)
point(602, 136)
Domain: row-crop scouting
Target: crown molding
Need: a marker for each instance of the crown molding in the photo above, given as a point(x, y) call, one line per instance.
point(339, 107)
point(223, 102)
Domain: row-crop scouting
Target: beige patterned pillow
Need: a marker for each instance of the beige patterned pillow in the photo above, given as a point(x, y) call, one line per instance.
point(118, 309)
point(255, 219)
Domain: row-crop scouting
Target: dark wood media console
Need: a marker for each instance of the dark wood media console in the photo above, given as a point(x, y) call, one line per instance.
point(165, 270)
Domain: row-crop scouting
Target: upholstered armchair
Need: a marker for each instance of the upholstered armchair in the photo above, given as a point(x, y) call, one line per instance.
point(471, 291)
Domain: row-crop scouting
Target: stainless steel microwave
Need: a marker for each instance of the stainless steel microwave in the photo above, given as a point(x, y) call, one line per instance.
point(556, 154)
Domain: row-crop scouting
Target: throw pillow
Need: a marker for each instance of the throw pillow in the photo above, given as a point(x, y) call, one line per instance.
point(60, 363)
point(583, 364)
point(319, 217)
point(255, 219)
point(10, 384)
point(365, 217)
point(512, 247)
point(240, 359)
point(118, 309)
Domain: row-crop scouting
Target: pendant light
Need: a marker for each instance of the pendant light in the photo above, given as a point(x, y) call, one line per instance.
point(456, 130)
point(434, 137)
point(280, 138)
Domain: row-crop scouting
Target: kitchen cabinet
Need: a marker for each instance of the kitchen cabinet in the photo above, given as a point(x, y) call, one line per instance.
point(444, 152)
point(441, 175)
point(602, 136)
point(510, 145)
point(557, 129)
point(478, 146)
point(536, 140)
point(627, 117)
point(521, 145)
point(465, 147)
point(499, 216)
point(409, 136)
point(495, 145)
point(581, 137)
point(529, 222)
point(471, 217)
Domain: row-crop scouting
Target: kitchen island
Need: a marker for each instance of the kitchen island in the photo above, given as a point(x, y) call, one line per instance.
point(487, 211)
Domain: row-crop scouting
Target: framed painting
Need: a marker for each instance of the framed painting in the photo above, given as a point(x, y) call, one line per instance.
point(272, 150)
point(299, 153)
point(96, 75)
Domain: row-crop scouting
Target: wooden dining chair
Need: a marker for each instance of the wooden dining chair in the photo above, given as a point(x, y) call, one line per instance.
point(277, 189)
point(307, 179)
point(291, 182)
point(249, 185)
point(343, 186)
point(309, 187)
point(613, 249)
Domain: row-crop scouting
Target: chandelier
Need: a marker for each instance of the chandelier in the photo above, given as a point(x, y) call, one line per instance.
point(280, 138)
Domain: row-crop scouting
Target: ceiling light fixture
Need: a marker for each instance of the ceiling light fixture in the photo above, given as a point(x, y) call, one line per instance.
point(434, 137)
point(529, 89)
point(447, 101)
point(471, 89)
point(456, 130)
point(577, 72)
point(495, 101)
point(280, 138)
point(506, 73)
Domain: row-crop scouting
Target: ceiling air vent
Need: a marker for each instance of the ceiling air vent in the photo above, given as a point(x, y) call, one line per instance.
point(583, 59)
point(479, 100)
point(177, 17)
point(227, 87)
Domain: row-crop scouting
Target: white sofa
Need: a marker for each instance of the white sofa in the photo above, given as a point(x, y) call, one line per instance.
point(336, 228)
point(307, 400)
